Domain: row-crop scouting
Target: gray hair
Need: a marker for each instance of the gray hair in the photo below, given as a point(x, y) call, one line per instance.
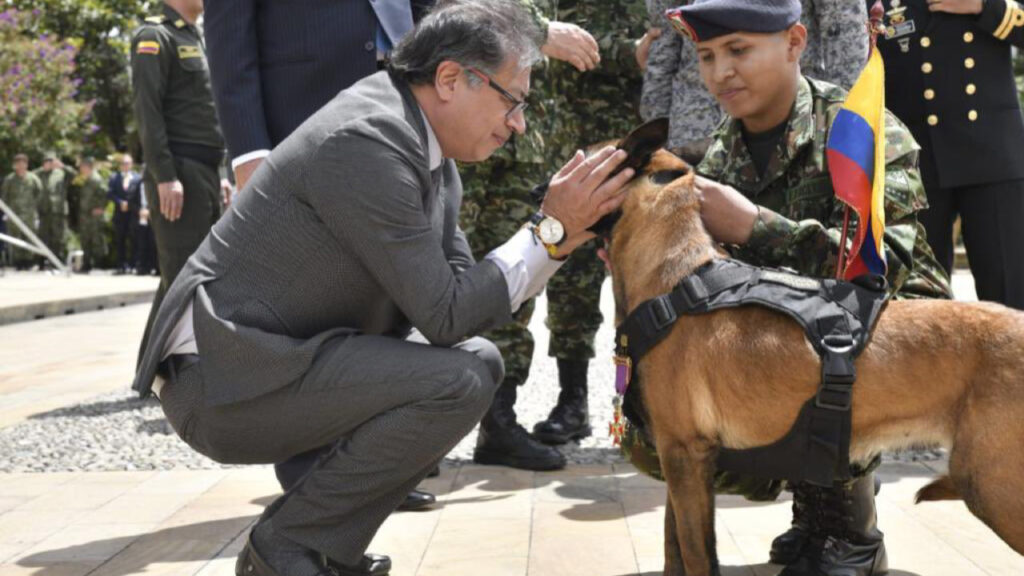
point(480, 34)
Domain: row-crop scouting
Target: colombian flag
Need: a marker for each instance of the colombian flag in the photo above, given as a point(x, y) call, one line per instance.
point(856, 159)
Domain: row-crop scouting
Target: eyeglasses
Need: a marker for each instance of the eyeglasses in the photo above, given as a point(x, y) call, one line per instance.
point(517, 104)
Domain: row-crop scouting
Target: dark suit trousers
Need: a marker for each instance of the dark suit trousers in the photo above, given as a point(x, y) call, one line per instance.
point(390, 409)
point(124, 226)
point(990, 221)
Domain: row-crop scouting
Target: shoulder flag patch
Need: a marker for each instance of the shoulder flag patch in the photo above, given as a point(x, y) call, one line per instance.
point(148, 47)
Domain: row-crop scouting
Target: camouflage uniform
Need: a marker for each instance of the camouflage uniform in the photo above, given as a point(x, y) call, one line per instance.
point(801, 220)
point(836, 52)
point(21, 194)
point(91, 228)
point(53, 209)
point(569, 109)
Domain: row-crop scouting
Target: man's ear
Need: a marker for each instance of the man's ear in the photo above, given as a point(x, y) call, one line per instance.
point(797, 39)
point(642, 143)
point(445, 79)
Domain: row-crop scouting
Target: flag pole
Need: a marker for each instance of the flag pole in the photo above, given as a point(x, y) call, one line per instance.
point(875, 27)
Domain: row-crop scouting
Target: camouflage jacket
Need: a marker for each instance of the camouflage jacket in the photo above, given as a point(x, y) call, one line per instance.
point(54, 199)
point(22, 196)
point(570, 109)
point(836, 52)
point(91, 195)
point(801, 220)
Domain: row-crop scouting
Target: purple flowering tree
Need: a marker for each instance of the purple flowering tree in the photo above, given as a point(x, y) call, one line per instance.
point(38, 87)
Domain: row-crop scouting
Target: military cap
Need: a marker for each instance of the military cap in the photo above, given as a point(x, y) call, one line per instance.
point(49, 155)
point(706, 19)
point(87, 161)
point(19, 157)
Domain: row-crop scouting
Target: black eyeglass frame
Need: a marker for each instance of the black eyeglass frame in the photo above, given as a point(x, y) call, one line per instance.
point(517, 104)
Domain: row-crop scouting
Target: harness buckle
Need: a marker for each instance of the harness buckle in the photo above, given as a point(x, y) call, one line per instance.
point(662, 313)
point(837, 373)
point(836, 397)
point(693, 291)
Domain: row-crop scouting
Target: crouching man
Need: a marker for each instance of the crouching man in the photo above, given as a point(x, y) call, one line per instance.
point(332, 305)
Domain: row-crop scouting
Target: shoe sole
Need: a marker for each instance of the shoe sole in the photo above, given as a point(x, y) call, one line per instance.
point(498, 459)
point(559, 440)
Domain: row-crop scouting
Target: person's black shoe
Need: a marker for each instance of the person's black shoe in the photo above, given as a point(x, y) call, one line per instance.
point(417, 500)
point(569, 420)
point(846, 541)
point(268, 554)
point(503, 442)
point(435, 472)
point(787, 547)
point(370, 565)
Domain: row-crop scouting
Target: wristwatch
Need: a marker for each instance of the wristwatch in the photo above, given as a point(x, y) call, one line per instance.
point(549, 231)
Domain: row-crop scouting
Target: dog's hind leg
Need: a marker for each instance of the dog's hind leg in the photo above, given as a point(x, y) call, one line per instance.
point(689, 473)
point(673, 561)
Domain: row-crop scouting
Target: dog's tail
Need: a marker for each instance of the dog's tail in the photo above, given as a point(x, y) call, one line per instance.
point(941, 489)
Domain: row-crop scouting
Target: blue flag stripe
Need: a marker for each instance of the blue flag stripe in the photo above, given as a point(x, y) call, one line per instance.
point(853, 137)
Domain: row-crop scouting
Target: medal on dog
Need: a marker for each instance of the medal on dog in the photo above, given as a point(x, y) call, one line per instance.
point(623, 374)
point(617, 427)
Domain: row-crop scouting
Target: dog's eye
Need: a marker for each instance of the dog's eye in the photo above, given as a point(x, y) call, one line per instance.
point(666, 176)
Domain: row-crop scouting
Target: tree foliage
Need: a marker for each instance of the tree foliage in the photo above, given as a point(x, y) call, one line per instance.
point(38, 89)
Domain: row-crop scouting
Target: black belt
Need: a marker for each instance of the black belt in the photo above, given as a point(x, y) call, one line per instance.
point(168, 370)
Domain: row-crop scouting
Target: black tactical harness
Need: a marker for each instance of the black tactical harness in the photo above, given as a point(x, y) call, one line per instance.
point(837, 317)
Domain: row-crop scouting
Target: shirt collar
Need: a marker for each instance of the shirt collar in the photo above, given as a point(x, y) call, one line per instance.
point(433, 146)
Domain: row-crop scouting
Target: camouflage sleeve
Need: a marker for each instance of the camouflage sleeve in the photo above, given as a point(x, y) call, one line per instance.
point(811, 247)
point(150, 68)
point(1003, 19)
point(662, 63)
point(538, 16)
point(844, 40)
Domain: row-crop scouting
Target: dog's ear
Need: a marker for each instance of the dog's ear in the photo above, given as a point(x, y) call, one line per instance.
point(642, 143)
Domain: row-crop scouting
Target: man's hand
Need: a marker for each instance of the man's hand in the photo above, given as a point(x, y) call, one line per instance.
point(728, 215)
point(572, 44)
point(244, 171)
point(226, 191)
point(97, 212)
point(581, 193)
point(956, 6)
point(172, 199)
point(643, 46)
point(124, 205)
point(144, 216)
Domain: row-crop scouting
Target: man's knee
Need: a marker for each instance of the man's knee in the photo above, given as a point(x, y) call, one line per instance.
point(477, 377)
point(489, 354)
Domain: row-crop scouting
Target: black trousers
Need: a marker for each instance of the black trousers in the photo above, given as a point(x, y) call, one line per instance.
point(990, 221)
point(124, 223)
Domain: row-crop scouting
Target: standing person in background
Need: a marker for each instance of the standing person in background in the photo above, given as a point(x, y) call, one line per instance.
point(92, 204)
point(21, 191)
point(836, 51)
point(123, 190)
point(53, 205)
point(181, 139)
point(273, 65)
point(145, 244)
point(949, 77)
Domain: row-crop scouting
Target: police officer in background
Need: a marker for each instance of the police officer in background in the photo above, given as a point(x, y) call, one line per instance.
point(181, 140)
point(949, 79)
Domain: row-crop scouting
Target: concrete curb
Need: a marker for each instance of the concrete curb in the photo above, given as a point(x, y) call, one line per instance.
point(39, 310)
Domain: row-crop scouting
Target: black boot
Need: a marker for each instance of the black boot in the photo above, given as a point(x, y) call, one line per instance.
point(787, 547)
point(847, 541)
point(504, 442)
point(569, 420)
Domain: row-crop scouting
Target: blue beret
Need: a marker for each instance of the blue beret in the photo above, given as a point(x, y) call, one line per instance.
point(706, 19)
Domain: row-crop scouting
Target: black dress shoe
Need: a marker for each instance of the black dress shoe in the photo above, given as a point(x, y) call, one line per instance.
point(417, 500)
point(250, 563)
point(435, 472)
point(370, 565)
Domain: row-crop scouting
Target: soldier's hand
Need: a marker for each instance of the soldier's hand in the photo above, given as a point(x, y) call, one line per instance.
point(97, 212)
point(956, 6)
point(728, 215)
point(643, 46)
point(570, 43)
point(124, 205)
point(581, 193)
point(244, 171)
point(172, 199)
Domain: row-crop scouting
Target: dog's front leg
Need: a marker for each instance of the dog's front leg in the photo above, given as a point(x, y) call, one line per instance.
point(689, 473)
point(673, 561)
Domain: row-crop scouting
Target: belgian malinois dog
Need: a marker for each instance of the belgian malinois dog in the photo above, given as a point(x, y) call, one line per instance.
point(935, 373)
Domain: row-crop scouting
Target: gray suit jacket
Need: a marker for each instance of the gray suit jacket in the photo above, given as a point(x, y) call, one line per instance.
point(342, 230)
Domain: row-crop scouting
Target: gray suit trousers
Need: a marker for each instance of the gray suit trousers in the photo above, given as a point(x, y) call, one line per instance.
point(390, 408)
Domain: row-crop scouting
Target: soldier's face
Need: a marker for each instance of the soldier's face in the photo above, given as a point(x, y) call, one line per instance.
point(20, 167)
point(47, 164)
point(753, 76)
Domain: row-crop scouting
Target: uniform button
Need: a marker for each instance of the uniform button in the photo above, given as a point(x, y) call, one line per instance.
point(926, 67)
point(972, 115)
point(971, 88)
point(969, 63)
point(926, 42)
point(968, 37)
point(370, 46)
point(933, 120)
point(929, 94)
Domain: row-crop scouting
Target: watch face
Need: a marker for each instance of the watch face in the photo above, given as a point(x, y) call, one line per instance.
point(551, 231)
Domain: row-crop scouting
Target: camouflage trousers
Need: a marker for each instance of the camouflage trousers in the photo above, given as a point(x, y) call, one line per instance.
point(91, 237)
point(53, 233)
point(495, 204)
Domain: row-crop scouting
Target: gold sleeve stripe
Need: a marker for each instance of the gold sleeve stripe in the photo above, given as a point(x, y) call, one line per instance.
point(1006, 18)
point(1014, 18)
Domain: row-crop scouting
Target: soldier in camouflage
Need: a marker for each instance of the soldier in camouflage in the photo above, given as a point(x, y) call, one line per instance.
point(587, 91)
point(21, 191)
point(92, 205)
point(836, 52)
point(53, 204)
point(766, 193)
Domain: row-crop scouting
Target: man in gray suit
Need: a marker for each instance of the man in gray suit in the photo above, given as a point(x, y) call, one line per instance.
point(332, 305)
